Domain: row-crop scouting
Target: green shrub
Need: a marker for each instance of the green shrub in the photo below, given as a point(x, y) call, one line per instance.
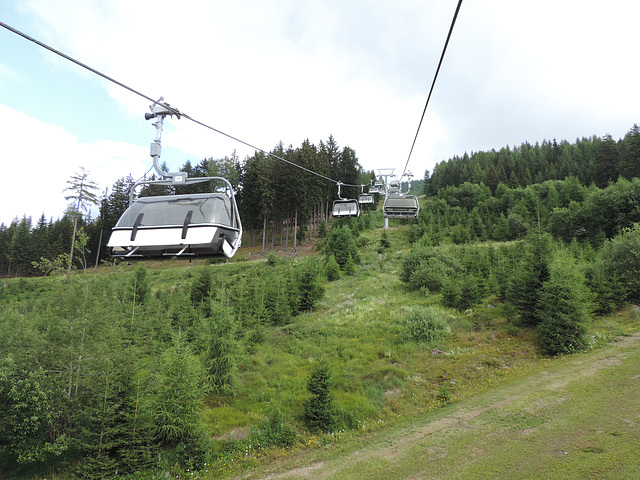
point(444, 395)
point(320, 413)
point(413, 259)
point(424, 325)
point(332, 269)
point(621, 258)
point(341, 244)
point(272, 259)
point(433, 273)
point(275, 431)
point(462, 293)
point(350, 267)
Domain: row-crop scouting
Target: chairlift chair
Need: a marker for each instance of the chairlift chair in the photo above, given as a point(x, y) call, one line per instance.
point(376, 186)
point(203, 224)
point(401, 206)
point(345, 207)
point(365, 198)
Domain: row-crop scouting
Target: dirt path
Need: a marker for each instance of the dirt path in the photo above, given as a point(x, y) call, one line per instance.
point(391, 447)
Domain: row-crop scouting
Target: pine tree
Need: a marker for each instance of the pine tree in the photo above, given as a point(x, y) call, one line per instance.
point(564, 307)
point(630, 159)
point(139, 285)
point(201, 289)
point(83, 195)
point(221, 347)
point(606, 162)
point(350, 267)
point(621, 262)
point(332, 268)
point(310, 290)
point(342, 245)
point(178, 395)
point(531, 273)
point(320, 413)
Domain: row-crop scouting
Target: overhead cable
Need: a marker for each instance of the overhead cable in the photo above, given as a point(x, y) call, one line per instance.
point(172, 109)
point(453, 22)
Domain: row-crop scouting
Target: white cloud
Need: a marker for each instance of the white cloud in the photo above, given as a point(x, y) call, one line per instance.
point(39, 158)
point(283, 70)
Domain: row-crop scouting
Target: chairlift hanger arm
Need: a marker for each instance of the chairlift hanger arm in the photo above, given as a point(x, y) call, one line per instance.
point(159, 110)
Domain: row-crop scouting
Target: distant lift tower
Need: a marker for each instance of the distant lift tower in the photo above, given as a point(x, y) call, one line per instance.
point(386, 173)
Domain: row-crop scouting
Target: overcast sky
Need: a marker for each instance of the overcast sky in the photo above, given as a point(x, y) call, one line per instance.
point(267, 71)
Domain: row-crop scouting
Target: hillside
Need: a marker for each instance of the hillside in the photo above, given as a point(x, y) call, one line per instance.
point(133, 349)
point(574, 417)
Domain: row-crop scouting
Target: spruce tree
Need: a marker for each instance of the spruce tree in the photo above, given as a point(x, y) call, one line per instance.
point(606, 163)
point(350, 267)
point(178, 394)
point(139, 285)
point(531, 272)
point(201, 289)
point(221, 351)
point(342, 245)
point(310, 290)
point(630, 159)
point(320, 413)
point(332, 269)
point(563, 308)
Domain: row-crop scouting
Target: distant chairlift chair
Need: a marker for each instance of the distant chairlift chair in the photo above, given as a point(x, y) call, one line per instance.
point(365, 198)
point(401, 205)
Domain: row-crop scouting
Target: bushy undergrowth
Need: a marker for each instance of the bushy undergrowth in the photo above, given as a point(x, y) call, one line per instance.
point(114, 367)
point(425, 325)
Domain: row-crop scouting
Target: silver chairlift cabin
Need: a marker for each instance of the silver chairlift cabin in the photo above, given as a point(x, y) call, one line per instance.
point(376, 187)
point(344, 207)
point(400, 205)
point(365, 198)
point(203, 224)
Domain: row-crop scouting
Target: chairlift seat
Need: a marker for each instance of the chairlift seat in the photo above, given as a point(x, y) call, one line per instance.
point(346, 208)
point(202, 224)
point(366, 198)
point(401, 206)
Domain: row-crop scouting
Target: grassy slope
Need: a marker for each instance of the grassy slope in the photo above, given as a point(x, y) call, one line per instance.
point(574, 417)
point(390, 383)
point(391, 387)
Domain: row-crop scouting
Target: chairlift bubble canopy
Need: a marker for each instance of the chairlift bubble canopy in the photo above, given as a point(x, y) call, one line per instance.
point(346, 208)
point(196, 225)
point(204, 225)
point(401, 206)
point(366, 198)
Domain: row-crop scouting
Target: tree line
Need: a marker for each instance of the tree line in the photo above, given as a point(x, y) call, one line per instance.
point(590, 160)
point(276, 200)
